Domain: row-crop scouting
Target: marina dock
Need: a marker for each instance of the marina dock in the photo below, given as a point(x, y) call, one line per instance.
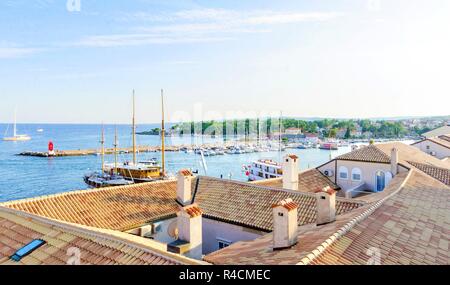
point(86, 152)
point(141, 149)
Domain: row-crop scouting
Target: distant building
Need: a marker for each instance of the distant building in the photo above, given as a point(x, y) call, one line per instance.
point(311, 138)
point(444, 130)
point(292, 133)
point(438, 147)
point(371, 168)
point(341, 133)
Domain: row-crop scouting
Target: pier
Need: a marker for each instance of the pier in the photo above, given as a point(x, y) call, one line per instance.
point(86, 152)
point(141, 149)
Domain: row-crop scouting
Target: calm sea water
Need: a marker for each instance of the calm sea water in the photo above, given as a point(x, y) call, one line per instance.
point(23, 177)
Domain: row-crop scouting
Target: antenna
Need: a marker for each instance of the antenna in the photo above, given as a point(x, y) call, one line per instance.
point(102, 141)
point(163, 132)
point(15, 122)
point(134, 129)
point(115, 151)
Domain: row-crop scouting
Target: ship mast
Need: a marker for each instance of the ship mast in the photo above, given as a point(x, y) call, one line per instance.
point(163, 132)
point(115, 150)
point(15, 123)
point(134, 130)
point(102, 141)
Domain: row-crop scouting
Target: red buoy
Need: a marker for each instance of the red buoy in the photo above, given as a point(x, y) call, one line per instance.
point(50, 146)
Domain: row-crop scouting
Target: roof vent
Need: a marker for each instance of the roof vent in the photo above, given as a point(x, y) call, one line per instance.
point(27, 249)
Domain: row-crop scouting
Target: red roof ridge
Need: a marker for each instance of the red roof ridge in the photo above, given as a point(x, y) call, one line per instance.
point(328, 190)
point(193, 210)
point(185, 172)
point(288, 204)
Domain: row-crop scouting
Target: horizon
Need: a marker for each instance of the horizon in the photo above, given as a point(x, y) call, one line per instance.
point(400, 118)
point(69, 63)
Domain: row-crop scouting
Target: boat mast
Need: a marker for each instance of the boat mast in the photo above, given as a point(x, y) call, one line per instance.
point(102, 141)
point(163, 130)
point(15, 122)
point(115, 150)
point(134, 130)
point(279, 130)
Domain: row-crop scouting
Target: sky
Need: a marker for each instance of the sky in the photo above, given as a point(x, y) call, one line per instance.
point(78, 61)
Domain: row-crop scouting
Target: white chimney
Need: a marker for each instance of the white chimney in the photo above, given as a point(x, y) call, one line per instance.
point(184, 185)
point(394, 161)
point(326, 205)
point(285, 224)
point(290, 172)
point(190, 229)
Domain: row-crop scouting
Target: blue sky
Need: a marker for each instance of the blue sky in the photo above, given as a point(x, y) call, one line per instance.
point(334, 58)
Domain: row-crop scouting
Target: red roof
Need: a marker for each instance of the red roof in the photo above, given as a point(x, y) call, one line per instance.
point(328, 190)
point(193, 211)
point(185, 172)
point(286, 203)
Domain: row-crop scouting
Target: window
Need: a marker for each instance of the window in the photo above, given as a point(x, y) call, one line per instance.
point(356, 174)
point(223, 243)
point(343, 172)
point(428, 147)
point(27, 249)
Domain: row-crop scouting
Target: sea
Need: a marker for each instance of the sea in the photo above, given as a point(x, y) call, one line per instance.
point(25, 177)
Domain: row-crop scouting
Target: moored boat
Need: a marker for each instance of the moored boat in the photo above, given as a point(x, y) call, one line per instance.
point(264, 169)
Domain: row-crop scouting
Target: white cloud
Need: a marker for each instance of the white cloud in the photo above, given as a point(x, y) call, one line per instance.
point(16, 52)
point(141, 39)
point(201, 25)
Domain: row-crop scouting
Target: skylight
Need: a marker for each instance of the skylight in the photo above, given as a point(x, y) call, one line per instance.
point(27, 249)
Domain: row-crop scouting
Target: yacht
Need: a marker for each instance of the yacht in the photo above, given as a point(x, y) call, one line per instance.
point(107, 177)
point(16, 137)
point(143, 171)
point(264, 169)
point(329, 146)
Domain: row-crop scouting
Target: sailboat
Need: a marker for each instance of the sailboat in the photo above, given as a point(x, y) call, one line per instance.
point(142, 171)
point(15, 136)
point(104, 179)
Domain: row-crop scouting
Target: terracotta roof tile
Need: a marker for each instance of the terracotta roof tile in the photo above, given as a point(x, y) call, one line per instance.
point(308, 181)
point(185, 172)
point(409, 227)
point(406, 223)
point(63, 241)
point(286, 203)
point(327, 190)
point(441, 174)
point(193, 211)
point(117, 208)
point(250, 205)
point(369, 153)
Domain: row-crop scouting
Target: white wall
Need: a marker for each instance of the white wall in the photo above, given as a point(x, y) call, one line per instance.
point(368, 170)
point(441, 151)
point(213, 230)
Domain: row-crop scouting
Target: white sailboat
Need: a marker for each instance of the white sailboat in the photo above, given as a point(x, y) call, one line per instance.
point(16, 137)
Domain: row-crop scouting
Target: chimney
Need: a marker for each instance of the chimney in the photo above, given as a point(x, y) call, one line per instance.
point(190, 231)
point(394, 161)
point(290, 172)
point(184, 185)
point(285, 224)
point(326, 205)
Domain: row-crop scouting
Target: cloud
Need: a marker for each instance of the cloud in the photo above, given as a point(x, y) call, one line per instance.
point(141, 39)
point(199, 26)
point(16, 52)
